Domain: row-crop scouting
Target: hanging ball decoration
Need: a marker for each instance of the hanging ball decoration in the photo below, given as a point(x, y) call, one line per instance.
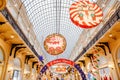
point(55, 44)
point(85, 14)
point(3, 4)
point(41, 58)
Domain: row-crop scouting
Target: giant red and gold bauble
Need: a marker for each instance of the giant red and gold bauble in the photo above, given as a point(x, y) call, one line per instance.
point(85, 14)
point(55, 44)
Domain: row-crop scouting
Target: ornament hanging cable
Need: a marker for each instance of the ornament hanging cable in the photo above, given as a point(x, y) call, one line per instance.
point(56, 16)
point(59, 16)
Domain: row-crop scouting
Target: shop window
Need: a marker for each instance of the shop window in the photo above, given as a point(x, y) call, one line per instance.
point(27, 72)
point(33, 75)
point(17, 69)
point(1, 55)
point(15, 74)
point(118, 57)
point(105, 68)
point(102, 61)
point(105, 74)
point(1, 62)
point(17, 63)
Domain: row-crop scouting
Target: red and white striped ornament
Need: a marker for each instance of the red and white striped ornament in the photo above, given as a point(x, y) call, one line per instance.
point(85, 14)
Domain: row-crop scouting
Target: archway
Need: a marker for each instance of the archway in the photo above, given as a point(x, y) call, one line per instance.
point(61, 60)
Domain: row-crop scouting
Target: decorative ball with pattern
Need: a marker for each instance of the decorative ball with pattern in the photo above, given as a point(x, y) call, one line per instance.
point(85, 14)
point(55, 44)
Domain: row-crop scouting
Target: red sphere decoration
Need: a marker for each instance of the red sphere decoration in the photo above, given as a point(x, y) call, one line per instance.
point(85, 14)
point(55, 44)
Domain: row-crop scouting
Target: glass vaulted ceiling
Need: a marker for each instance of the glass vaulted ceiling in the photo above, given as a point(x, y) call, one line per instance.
point(52, 16)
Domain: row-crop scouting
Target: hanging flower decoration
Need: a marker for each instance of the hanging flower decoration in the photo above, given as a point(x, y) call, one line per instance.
point(55, 44)
point(85, 14)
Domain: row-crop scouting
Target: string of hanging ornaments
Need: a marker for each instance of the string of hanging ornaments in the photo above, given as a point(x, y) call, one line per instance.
point(85, 14)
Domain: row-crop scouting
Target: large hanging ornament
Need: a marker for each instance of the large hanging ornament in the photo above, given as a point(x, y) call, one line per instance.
point(85, 14)
point(55, 44)
point(3, 4)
